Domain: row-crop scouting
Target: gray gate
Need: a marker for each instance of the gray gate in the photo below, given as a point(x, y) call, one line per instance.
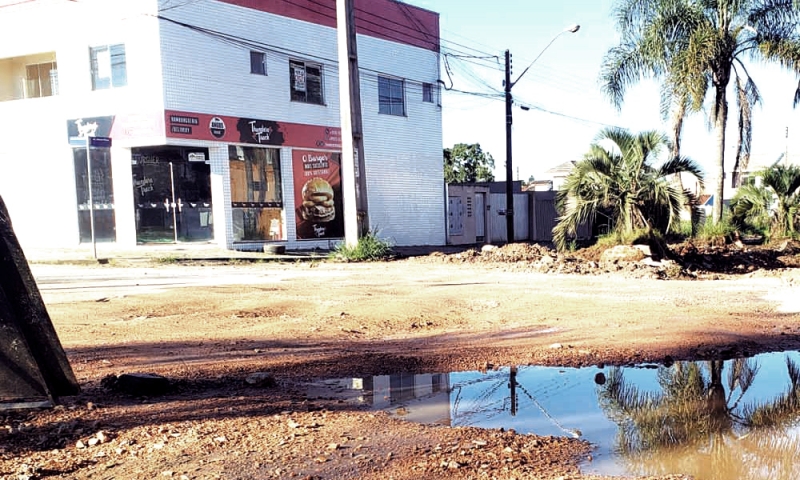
point(480, 216)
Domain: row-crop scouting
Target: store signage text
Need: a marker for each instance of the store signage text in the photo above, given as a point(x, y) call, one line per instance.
point(260, 133)
point(144, 185)
point(315, 164)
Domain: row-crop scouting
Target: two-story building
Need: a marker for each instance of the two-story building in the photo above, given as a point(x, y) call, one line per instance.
point(223, 117)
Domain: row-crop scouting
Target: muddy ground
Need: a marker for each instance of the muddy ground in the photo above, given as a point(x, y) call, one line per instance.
point(442, 312)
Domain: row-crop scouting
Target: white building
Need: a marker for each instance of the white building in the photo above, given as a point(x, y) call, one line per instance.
point(219, 112)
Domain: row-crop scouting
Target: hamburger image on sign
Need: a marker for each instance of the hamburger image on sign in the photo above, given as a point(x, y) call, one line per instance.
point(317, 201)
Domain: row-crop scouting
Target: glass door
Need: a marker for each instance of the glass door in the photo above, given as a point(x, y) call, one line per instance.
point(102, 195)
point(172, 195)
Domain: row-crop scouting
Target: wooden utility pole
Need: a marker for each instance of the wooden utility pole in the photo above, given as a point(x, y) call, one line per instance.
point(354, 185)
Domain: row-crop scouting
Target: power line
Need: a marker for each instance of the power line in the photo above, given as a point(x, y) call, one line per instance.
point(564, 115)
point(17, 3)
point(362, 27)
point(333, 64)
point(426, 37)
point(281, 53)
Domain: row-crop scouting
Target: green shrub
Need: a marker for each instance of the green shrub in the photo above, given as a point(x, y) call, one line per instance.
point(369, 248)
point(681, 229)
point(613, 239)
point(718, 232)
point(167, 259)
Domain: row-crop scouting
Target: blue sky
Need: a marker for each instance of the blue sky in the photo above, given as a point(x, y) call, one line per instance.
point(564, 81)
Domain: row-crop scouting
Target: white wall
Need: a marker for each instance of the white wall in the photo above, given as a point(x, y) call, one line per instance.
point(37, 180)
point(404, 167)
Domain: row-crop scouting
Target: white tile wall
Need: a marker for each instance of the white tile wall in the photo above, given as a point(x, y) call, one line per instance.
point(403, 154)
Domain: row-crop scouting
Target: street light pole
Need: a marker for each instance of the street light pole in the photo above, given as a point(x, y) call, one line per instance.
point(509, 171)
point(509, 120)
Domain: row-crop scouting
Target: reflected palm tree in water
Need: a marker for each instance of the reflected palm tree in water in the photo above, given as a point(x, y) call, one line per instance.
point(695, 425)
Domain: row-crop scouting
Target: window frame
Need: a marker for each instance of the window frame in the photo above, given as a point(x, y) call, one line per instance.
point(427, 92)
point(117, 70)
point(388, 106)
point(254, 200)
point(302, 96)
point(46, 85)
point(262, 61)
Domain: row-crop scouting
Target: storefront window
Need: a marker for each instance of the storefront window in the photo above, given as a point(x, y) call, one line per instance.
point(256, 193)
point(102, 195)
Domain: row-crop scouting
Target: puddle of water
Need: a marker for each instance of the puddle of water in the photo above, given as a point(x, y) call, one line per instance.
point(712, 420)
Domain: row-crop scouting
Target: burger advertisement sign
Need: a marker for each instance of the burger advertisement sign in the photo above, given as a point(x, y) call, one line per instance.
point(317, 194)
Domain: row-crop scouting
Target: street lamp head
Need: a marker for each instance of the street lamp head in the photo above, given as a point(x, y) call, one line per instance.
point(573, 28)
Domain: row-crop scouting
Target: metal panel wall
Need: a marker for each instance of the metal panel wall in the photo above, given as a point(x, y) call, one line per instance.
point(497, 222)
point(544, 216)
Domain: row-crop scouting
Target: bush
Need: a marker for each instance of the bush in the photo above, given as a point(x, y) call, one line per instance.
point(368, 249)
point(681, 229)
point(616, 238)
point(716, 233)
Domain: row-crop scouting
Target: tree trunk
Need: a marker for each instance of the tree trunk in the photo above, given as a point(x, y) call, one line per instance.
point(677, 127)
point(720, 122)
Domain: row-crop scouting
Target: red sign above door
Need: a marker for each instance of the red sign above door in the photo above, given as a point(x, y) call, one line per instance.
point(221, 128)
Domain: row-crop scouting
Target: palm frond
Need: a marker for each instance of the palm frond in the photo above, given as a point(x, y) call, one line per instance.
point(622, 66)
point(781, 50)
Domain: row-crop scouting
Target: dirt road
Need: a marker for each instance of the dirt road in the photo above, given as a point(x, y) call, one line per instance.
point(312, 320)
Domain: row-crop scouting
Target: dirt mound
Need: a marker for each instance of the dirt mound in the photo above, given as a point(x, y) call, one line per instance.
point(685, 260)
point(737, 258)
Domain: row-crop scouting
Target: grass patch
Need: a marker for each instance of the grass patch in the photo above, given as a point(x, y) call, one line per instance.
point(716, 233)
point(369, 248)
point(681, 229)
point(630, 238)
point(167, 260)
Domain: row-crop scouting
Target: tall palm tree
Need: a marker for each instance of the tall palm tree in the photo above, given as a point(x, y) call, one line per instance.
point(620, 181)
point(697, 45)
point(772, 204)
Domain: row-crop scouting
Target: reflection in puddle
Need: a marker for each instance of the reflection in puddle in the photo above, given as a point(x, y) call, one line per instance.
point(713, 420)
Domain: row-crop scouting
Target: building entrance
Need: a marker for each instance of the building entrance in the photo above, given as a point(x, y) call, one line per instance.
point(172, 194)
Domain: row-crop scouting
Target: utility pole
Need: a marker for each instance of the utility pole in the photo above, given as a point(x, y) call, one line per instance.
point(509, 167)
point(509, 103)
point(354, 185)
point(512, 385)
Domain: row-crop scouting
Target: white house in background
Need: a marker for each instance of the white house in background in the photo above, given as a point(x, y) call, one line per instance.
point(220, 112)
point(558, 174)
point(732, 181)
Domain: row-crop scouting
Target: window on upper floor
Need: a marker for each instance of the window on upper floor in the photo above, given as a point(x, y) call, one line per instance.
point(305, 80)
point(391, 97)
point(109, 68)
point(258, 62)
point(28, 76)
point(427, 92)
point(41, 80)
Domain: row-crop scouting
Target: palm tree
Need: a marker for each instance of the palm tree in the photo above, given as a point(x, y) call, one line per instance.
point(697, 45)
point(773, 204)
point(622, 183)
